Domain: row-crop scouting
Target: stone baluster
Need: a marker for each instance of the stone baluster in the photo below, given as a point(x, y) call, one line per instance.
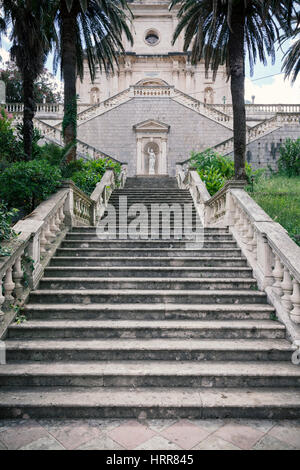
point(48, 233)
point(9, 285)
point(17, 277)
point(295, 299)
point(43, 240)
point(61, 214)
point(287, 287)
point(278, 275)
point(265, 259)
point(53, 226)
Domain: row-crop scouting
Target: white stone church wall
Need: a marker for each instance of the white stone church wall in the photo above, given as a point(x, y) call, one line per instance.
point(113, 131)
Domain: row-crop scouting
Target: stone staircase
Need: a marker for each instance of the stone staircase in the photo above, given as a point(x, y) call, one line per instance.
point(149, 328)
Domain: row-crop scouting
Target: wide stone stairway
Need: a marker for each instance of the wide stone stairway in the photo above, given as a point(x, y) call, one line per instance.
point(149, 328)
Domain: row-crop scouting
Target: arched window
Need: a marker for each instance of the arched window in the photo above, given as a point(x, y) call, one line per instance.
point(209, 95)
point(95, 95)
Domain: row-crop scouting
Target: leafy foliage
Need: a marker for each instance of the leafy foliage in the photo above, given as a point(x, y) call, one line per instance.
point(11, 141)
point(44, 87)
point(9, 145)
point(291, 62)
point(215, 169)
point(26, 184)
point(207, 25)
point(6, 232)
point(89, 173)
point(289, 160)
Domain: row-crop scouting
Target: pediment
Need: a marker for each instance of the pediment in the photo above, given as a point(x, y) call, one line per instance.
point(151, 125)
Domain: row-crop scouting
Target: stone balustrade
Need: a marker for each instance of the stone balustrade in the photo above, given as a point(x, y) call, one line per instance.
point(84, 150)
point(256, 109)
point(202, 108)
point(100, 108)
point(150, 91)
point(261, 129)
point(40, 233)
point(273, 256)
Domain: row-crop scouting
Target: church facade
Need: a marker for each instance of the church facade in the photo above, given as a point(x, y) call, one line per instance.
point(157, 102)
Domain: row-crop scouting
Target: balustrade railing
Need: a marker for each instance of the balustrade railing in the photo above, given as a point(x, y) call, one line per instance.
point(273, 256)
point(40, 233)
point(256, 109)
point(202, 108)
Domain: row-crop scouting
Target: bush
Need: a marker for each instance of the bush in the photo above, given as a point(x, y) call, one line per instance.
point(215, 169)
point(26, 184)
point(10, 145)
point(289, 160)
point(6, 231)
point(54, 154)
point(88, 173)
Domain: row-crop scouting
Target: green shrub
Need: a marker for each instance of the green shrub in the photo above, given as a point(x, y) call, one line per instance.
point(6, 231)
point(289, 160)
point(26, 184)
point(10, 144)
point(215, 169)
point(88, 173)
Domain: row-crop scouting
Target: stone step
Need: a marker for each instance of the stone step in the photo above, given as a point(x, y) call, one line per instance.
point(152, 199)
point(116, 296)
point(164, 252)
point(193, 284)
point(70, 311)
point(161, 349)
point(92, 229)
point(147, 271)
point(150, 403)
point(151, 374)
point(182, 245)
point(75, 260)
point(146, 243)
point(96, 329)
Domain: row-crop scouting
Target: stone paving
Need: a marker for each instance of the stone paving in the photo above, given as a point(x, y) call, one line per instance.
point(117, 434)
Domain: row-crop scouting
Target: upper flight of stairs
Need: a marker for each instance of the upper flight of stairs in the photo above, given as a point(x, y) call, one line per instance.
point(149, 328)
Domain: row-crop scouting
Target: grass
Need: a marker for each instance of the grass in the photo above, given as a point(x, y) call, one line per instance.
point(279, 197)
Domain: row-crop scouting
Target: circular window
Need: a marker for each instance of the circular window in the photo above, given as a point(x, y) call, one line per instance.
point(152, 37)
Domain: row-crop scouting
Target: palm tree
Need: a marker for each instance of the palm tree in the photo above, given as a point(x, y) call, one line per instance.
point(32, 35)
point(291, 63)
point(91, 28)
point(220, 32)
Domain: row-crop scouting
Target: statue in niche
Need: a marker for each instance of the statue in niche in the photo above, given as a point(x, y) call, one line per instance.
point(152, 160)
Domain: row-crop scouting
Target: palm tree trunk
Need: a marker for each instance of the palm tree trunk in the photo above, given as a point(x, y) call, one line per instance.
point(28, 114)
point(69, 68)
point(237, 75)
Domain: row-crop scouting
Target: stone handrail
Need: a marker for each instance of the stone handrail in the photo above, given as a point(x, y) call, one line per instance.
point(261, 129)
point(40, 233)
point(256, 109)
point(272, 254)
point(55, 135)
point(104, 188)
point(47, 108)
point(102, 107)
point(150, 91)
point(202, 108)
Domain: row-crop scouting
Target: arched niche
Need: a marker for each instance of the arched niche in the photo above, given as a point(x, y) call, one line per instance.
point(209, 95)
point(151, 134)
point(95, 95)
